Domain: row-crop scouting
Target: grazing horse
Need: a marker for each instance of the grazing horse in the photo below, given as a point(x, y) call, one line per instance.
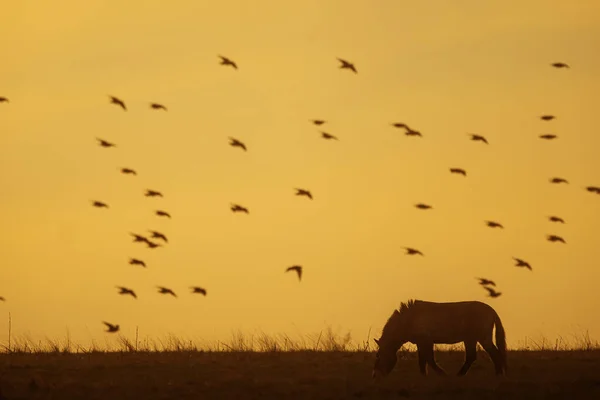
point(425, 323)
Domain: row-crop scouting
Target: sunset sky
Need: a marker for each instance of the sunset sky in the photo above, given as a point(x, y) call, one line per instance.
point(446, 68)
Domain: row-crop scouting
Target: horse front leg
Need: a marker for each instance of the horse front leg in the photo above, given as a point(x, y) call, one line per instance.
point(422, 360)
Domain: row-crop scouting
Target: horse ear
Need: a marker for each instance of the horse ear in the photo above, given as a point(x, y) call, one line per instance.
point(376, 341)
point(396, 312)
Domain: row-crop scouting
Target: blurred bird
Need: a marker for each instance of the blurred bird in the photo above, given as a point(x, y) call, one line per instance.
point(423, 206)
point(560, 65)
point(4, 100)
point(237, 208)
point(554, 218)
point(197, 289)
point(303, 192)
point(548, 136)
point(484, 282)
point(412, 132)
point(161, 213)
point(119, 102)
point(555, 238)
point(494, 224)
point(347, 65)
point(157, 106)
point(124, 290)
point(478, 138)
point(164, 290)
point(522, 263)
point(135, 261)
point(491, 292)
point(153, 193)
point(593, 189)
point(138, 238)
point(227, 61)
point(411, 251)
point(110, 327)
point(558, 180)
point(458, 171)
point(547, 117)
point(105, 143)
point(2, 298)
point(158, 235)
point(99, 204)
point(328, 136)
point(297, 268)
point(152, 245)
point(318, 121)
point(128, 171)
point(400, 125)
point(236, 143)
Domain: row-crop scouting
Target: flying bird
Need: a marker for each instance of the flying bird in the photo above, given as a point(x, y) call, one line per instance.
point(318, 121)
point(494, 224)
point(593, 189)
point(158, 235)
point(400, 125)
point(548, 136)
point(555, 238)
point(491, 292)
point(138, 238)
point(560, 65)
point(547, 117)
point(522, 263)
point(558, 180)
point(227, 61)
point(110, 327)
point(423, 206)
point(153, 193)
point(484, 282)
point(152, 245)
point(4, 100)
point(458, 171)
point(554, 218)
point(236, 143)
point(164, 290)
point(135, 261)
point(197, 289)
point(237, 208)
point(347, 65)
point(157, 106)
point(328, 136)
point(128, 171)
point(124, 290)
point(412, 132)
point(303, 192)
point(105, 143)
point(117, 101)
point(99, 204)
point(476, 137)
point(2, 298)
point(412, 251)
point(297, 268)
point(161, 213)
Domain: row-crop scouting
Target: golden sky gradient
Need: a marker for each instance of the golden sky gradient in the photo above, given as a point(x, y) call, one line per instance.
point(445, 68)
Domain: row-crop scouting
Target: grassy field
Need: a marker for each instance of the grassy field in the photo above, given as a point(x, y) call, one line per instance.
point(263, 367)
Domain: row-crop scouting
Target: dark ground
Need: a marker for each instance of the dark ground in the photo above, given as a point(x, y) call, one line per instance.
point(299, 375)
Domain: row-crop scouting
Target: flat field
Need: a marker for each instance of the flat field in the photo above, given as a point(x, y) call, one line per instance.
point(291, 375)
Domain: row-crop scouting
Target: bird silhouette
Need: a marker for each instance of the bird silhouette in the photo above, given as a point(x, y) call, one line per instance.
point(558, 180)
point(128, 171)
point(153, 193)
point(297, 268)
point(110, 327)
point(124, 290)
point(494, 224)
point(593, 189)
point(476, 137)
point(318, 121)
point(412, 251)
point(157, 106)
point(400, 125)
point(347, 65)
point(522, 263)
point(135, 261)
point(555, 238)
point(236, 143)
point(547, 117)
point(412, 132)
point(162, 213)
point(227, 61)
point(423, 206)
point(164, 290)
point(4, 99)
point(548, 136)
point(459, 171)
point(138, 238)
point(328, 136)
point(2, 298)
point(484, 282)
point(158, 235)
point(303, 192)
point(199, 290)
point(238, 208)
point(105, 143)
point(152, 245)
point(554, 218)
point(99, 204)
point(491, 292)
point(560, 65)
point(117, 101)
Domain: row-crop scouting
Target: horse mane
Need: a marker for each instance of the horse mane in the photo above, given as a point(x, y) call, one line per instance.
point(408, 306)
point(405, 309)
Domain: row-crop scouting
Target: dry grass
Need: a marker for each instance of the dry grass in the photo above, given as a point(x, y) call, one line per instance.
point(326, 365)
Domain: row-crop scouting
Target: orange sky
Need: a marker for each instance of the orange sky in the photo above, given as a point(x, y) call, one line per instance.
point(445, 69)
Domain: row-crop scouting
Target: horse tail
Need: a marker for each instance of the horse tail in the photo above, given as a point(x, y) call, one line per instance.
point(501, 340)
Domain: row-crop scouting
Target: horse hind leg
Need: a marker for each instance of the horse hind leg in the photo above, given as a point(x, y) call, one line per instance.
point(470, 357)
point(492, 350)
point(428, 352)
